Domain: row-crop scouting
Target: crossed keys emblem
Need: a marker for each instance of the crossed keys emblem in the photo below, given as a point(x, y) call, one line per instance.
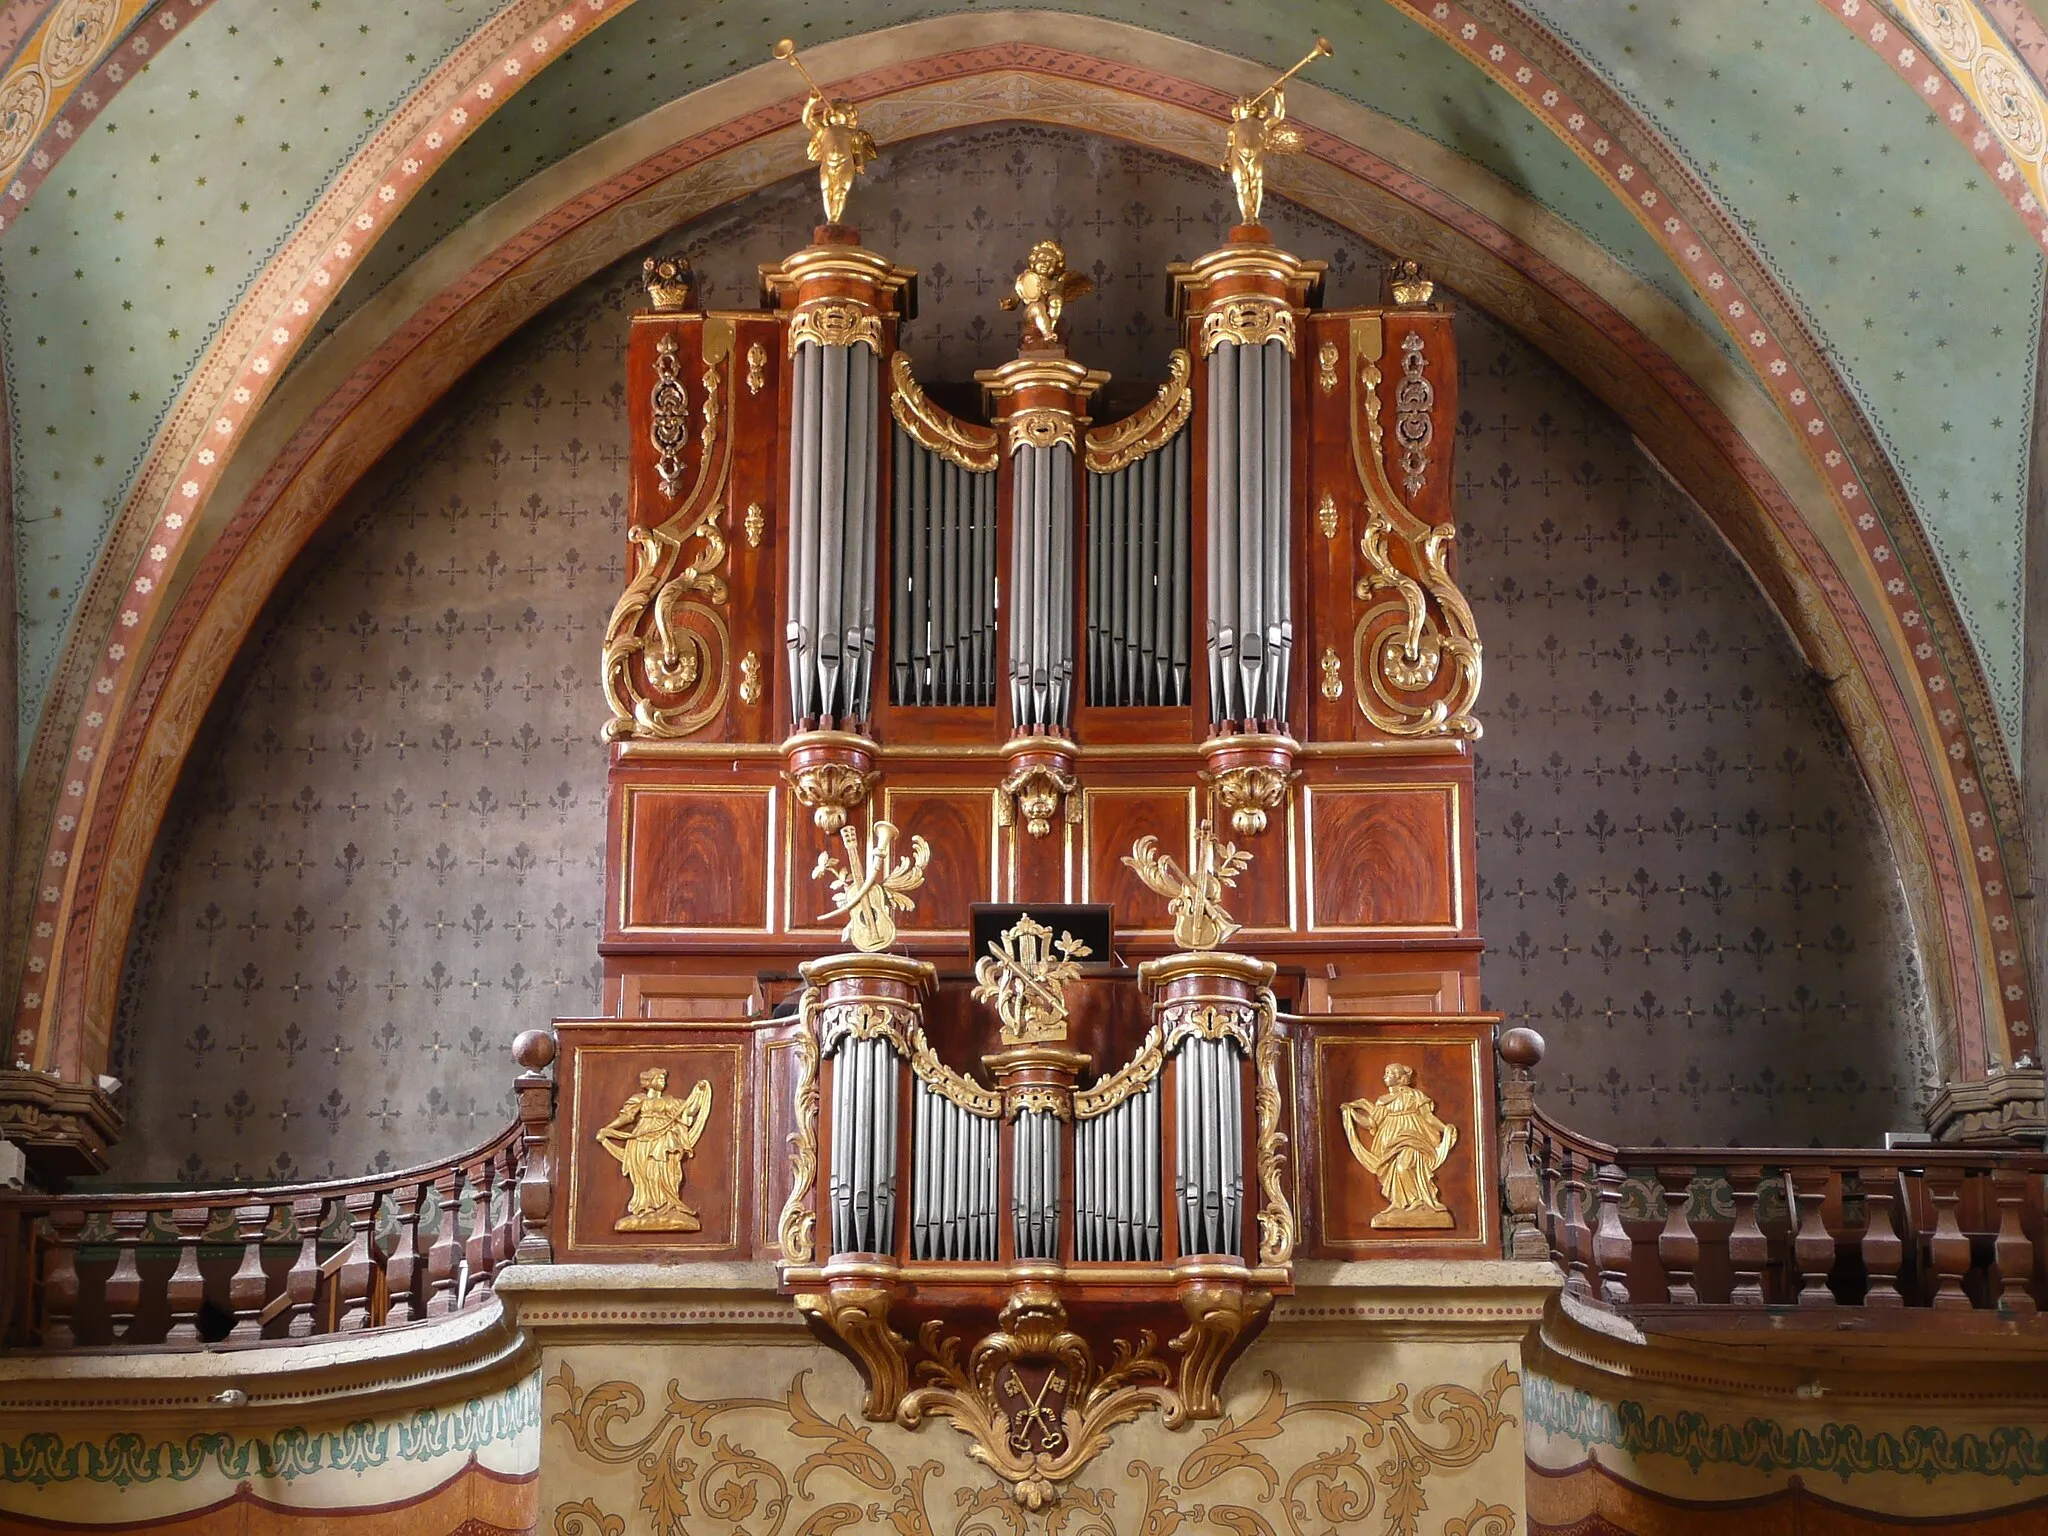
point(1039, 1414)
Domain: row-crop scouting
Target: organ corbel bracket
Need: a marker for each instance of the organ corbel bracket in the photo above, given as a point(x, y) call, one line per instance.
point(1039, 785)
point(832, 773)
point(666, 663)
point(1250, 320)
point(1415, 649)
point(1124, 442)
point(1250, 776)
point(973, 448)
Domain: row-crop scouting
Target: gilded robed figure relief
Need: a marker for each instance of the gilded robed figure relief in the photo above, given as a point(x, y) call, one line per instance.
point(653, 1136)
point(1400, 1141)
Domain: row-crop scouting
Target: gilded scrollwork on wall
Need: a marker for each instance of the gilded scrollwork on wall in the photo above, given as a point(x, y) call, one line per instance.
point(1415, 646)
point(667, 645)
point(1282, 1463)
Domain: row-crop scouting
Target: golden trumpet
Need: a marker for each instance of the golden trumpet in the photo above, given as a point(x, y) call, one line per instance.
point(1321, 50)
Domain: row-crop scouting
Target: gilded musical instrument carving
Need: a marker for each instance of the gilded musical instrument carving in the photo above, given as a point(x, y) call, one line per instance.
point(1043, 290)
point(1194, 898)
point(872, 886)
point(1399, 1140)
point(839, 146)
point(1258, 128)
point(1022, 977)
point(652, 1137)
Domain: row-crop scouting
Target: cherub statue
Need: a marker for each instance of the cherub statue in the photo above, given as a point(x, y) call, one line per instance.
point(869, 890)
point(1042, 291)
point(1258, 128)
point(1195, 900)
point(840, 148)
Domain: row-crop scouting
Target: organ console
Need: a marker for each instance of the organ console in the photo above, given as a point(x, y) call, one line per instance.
point(1206, 665)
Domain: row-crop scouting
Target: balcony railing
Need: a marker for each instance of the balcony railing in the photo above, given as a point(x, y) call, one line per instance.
point(1731, 1237)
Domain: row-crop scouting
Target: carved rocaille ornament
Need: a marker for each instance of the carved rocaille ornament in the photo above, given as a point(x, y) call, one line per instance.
point(1251, 792)
point(831, 791)
point(1111, 447)
point(1024, 976)
point(1034, 794)
point(1248, 320)
point(1035, 1398)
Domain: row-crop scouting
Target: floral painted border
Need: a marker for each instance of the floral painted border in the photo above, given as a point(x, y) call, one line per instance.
point(42, 1458)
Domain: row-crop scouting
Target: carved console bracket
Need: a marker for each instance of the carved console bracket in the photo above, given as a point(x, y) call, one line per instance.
point(832, 773)
point(1250, 776)
point(1040, 786)
point(1037, 1398)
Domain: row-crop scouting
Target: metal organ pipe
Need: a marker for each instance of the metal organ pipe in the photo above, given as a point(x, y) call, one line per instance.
point(1209, 1144)
point(1041, 663)
point(1251, 543)
point(832, 500)
point(944, 575)
point(1138, 578)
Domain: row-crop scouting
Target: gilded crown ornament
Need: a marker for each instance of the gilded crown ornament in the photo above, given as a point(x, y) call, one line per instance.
point(1022, 977)
point(1195, 898)
point(1042, 291)
point(839, 146)
point(1258, 128)
point(872, 886)
point(1411, 288)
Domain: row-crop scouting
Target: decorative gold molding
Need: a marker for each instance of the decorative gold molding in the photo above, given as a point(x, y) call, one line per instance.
point(1251, 792)
point(750, 678)
point(1400, 642)
point(952, 1086)
point(757, 370)
point(796, 1230)
point(1127, 1081)
point(755, 524)
point(669, 427)
point(1212, 1019)
point(830, 791)
point(1024, 976)
point(1247, 320)
point(1039, 1099)
point(973, 448)
point(1333, 673)
point(1033, 793)
point(870, 1019)
point(1414, 397)
point(1276, 1216)
point(835, 323)
point(1326, 367)
point(1111, 447)
point(1041, 426)
point(1326, 515)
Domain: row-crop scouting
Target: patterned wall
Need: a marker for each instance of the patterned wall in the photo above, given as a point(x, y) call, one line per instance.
point(385, 860)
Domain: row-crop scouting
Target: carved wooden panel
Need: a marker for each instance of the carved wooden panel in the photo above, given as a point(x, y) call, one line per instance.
point(1114, 819)
point(1394, 991)
point(1265, 897)
point(1406, 1086)
point(958, 824)
point(696, 859)
point(671, 995)
point(1391, 856)
point(598, 1075)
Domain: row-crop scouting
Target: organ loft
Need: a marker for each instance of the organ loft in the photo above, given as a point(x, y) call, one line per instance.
point(1039, 1081)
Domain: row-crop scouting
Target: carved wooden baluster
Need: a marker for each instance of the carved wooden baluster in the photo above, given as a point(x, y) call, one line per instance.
point(1521, 1188)
point(391, 1251)
point(249, 1286)
point(1678, 1246)
point(365, 1294)
point(1949, 1247)
point(511, 1165)
point(444, 1256)
point(1548, 1214)
point(1612, 1249)
point(535, 1051)
point(61, 1292)
point(478, 1248)
point(299, 1303)
point(2014, 1251)
point(1748, 1248)
point(1578, 1234)
point(1883, 1250)
point(336, 1247)
point(1813, 1248)
point(124, 1286)
point(408, 1263)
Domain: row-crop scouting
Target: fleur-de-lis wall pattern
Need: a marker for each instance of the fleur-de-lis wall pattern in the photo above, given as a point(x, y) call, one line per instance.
point(386, 858)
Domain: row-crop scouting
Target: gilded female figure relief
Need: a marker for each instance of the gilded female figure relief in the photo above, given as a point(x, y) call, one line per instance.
point(652, 1136)
point(1402, 1143)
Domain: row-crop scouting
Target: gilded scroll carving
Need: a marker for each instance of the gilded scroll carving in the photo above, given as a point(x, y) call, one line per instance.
point(795, 1232)
point(972, 447)
point(1111, 447)
point(1416, 620)
point(1023, 978)
point(836, 323)
point(775, 1465)
point(1133, 1077)
point(1194, 897)
point(674, 680)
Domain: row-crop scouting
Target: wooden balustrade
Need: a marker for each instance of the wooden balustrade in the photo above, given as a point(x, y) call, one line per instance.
point(187, 1269)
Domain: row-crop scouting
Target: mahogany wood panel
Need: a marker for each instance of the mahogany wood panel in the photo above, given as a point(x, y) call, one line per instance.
point(673, 995)
point(597, 1070)
point(695, 858)
point(958, 824)
point(1264, 899)
point(1390, 856)
point(1112, 821)
point(1342, 1060)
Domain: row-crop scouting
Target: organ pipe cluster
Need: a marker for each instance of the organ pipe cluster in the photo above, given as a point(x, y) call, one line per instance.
point(953, 1202)
point(1035, 1201)
point(862, 1182)
point(833, 478)
point(1138, 560)
point(1251, 537)
point(1209, 1146)
point(944, 596)
point(1041, 585)
point(1116, 1181)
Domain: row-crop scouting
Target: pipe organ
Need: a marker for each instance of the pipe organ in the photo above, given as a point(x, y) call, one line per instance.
point(1205, 665)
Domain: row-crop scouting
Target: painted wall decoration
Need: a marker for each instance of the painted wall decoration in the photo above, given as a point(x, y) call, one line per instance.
point(385, 861)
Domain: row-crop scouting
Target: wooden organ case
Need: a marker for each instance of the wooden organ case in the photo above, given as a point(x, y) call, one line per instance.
point(1206, 666)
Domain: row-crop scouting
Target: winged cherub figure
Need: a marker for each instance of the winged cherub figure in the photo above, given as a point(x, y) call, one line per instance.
point(1195, 900)
point(1042, 291)
point(1258, 128)
point(839, 147)
point(869, 890)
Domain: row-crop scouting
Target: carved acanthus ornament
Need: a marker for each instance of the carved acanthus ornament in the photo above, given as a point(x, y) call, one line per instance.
point(1023, 977)
point(755, 524)
point(1194, 898)
point(872, 886)
point(972, 447)
point(757, 370)
point(1034, 793)
point(1041, 426)
point(795, 1232)
point(750, 678)
point(877, 1020)
point(947, 1083)
point(836, 323)
point(674, 681)
point(1124, 442)
point(1326, 515)
point(1249, 320)
point(1251, 792)
point(1198, 1018)
point(1415, 623)
point(1326, 366)
point(1276, 1214)
point(831, 791)
point(1333, 673)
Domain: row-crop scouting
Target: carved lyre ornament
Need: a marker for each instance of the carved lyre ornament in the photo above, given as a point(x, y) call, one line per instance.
point(1194, 897)
point(1416, 620)
point(872, 886)
point(1023, 977)
point(665, 658)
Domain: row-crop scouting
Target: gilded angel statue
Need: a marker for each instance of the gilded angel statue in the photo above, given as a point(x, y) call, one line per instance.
point(1042, 291)
point(839, 147)
point(869, 889)
point(1195, 899)
point(1258, 128)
